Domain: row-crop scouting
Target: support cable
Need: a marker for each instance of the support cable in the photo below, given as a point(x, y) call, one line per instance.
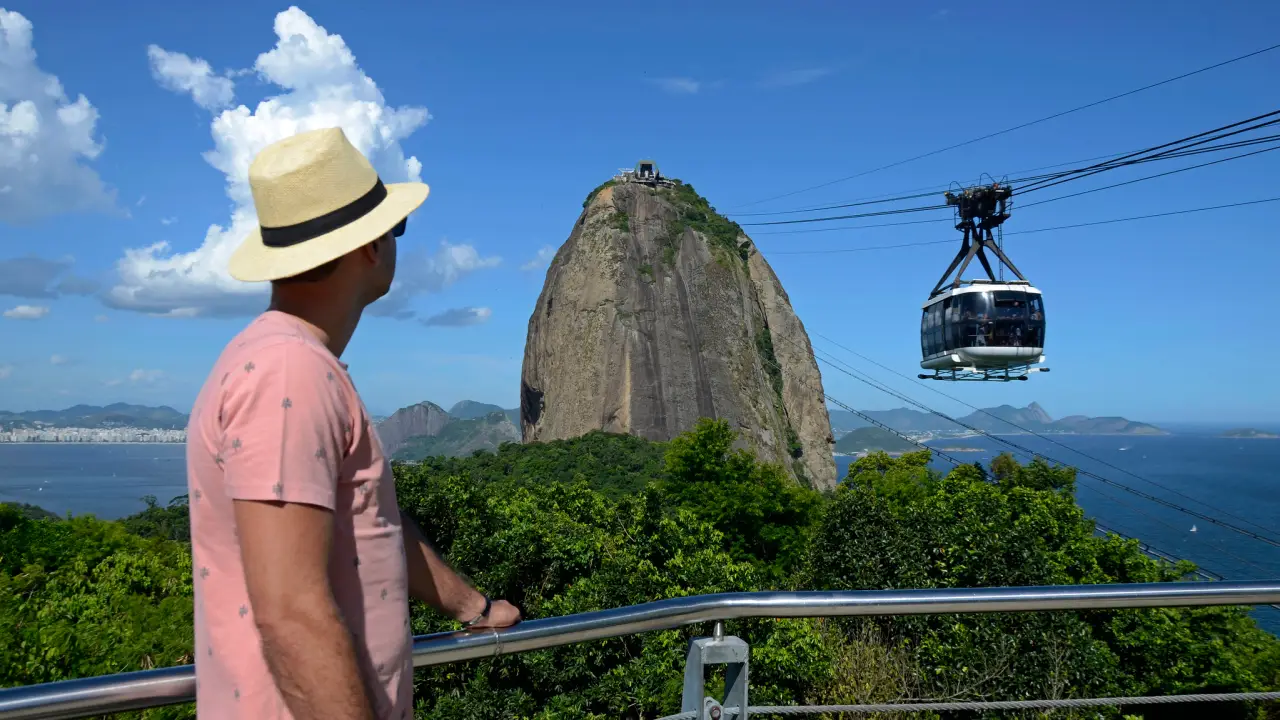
point(1018, 127)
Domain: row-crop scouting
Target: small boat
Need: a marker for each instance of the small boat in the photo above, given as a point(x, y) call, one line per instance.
point(1193, 528)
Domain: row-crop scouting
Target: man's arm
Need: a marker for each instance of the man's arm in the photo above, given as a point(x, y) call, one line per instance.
point(432, 581)
point(283, 420)
point(308, 648)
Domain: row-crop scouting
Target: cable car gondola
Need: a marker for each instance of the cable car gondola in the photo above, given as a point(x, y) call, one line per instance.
point(982, 329)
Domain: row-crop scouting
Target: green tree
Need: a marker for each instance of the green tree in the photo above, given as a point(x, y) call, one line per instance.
point(557, 549)
point(893, 524)
point(763, 515)
point(84, 597)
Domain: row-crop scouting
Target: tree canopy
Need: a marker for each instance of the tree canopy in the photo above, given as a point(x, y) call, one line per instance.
point(606, 520)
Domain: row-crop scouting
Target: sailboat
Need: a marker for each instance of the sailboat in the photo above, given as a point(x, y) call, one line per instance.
point(1193, 528)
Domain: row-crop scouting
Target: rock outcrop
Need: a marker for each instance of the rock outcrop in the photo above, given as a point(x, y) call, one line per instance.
point(460, 438)
point(657, 311)
point(424, 419)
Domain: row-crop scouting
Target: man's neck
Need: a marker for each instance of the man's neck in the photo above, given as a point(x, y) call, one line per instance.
point(332, 325)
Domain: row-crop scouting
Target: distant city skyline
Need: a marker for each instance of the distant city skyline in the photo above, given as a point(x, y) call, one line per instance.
point(125, 134)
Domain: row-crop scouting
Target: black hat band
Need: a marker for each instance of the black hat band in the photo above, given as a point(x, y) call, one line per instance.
point(278, 237)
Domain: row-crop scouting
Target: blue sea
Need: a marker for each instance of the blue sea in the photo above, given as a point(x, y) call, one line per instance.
point(1239, 479)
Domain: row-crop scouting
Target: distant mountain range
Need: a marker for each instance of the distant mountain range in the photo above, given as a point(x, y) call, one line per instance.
point(1004, 419)
point(425, 430)
point(93, 416)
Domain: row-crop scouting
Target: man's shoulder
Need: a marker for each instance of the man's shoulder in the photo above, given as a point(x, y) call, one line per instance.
point(266, 351)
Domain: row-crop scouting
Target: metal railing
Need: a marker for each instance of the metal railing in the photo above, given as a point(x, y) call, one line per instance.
point(154, 688)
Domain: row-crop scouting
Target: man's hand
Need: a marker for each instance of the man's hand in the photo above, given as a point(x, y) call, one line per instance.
point(432, 581)
point(501, 614)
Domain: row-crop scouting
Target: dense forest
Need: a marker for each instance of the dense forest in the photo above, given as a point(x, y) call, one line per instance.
point(605, 520)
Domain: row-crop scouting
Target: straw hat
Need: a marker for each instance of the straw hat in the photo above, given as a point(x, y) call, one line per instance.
point(317, 198)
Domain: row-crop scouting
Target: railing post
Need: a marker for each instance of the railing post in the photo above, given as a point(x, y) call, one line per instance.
point(720, 649)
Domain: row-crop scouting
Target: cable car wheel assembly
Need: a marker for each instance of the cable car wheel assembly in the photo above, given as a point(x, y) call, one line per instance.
point(985, 330)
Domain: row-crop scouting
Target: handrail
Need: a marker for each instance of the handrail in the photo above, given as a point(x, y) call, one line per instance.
point(153, 688)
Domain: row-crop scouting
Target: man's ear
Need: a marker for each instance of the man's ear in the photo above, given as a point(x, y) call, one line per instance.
point(371, 251)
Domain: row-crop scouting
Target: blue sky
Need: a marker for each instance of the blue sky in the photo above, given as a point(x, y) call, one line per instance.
point(513, 112)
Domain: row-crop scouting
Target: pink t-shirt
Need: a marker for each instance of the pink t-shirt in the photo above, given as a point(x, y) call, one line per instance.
point(279, 419)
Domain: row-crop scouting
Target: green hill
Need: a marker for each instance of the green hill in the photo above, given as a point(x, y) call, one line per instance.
point(872, 439)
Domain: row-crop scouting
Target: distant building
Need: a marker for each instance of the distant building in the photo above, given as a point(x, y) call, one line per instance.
point(645, 172)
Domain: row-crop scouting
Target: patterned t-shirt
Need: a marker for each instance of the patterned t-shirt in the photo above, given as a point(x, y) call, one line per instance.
point(279, 419)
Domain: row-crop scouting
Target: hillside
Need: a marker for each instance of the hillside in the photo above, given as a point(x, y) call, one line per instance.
point(460, 437)
point(424, 419)
point(658, 311)
point(470, 409)
point(98, 417)
point(872, 439)
point(1003, 419)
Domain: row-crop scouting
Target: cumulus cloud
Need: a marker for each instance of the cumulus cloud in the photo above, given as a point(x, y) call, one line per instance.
point(168, 220)
point(39, 278)
point(26, 312)
point(320, 85)
point(180, 73)
point(679, 85)
point(459, 317)
point(791, 78)
point(46, 139)
point(545, 253)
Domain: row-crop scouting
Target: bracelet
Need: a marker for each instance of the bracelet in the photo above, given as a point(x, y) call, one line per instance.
point(488, 605)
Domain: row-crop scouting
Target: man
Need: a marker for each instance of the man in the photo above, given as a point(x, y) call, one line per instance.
point(303, 561)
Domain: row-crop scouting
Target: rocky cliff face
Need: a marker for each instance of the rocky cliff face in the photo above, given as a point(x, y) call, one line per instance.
point(657, 311)
point(423, 419)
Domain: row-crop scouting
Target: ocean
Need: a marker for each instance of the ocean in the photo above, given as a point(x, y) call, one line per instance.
point(1239, 478)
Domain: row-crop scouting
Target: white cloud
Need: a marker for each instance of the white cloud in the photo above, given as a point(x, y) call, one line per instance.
point(145, 376)
point(27, 312)
point(679, 85)
point(45, 137)
point(141, 200)
point(420, 273)
point(5, 371)
point(113, 382)
point(545, 253)
point(459, 317)
point(321, 86)
point(168, 220)
point(180, 73)
point(59, 359)
point(100, 318)
point(791, 78)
